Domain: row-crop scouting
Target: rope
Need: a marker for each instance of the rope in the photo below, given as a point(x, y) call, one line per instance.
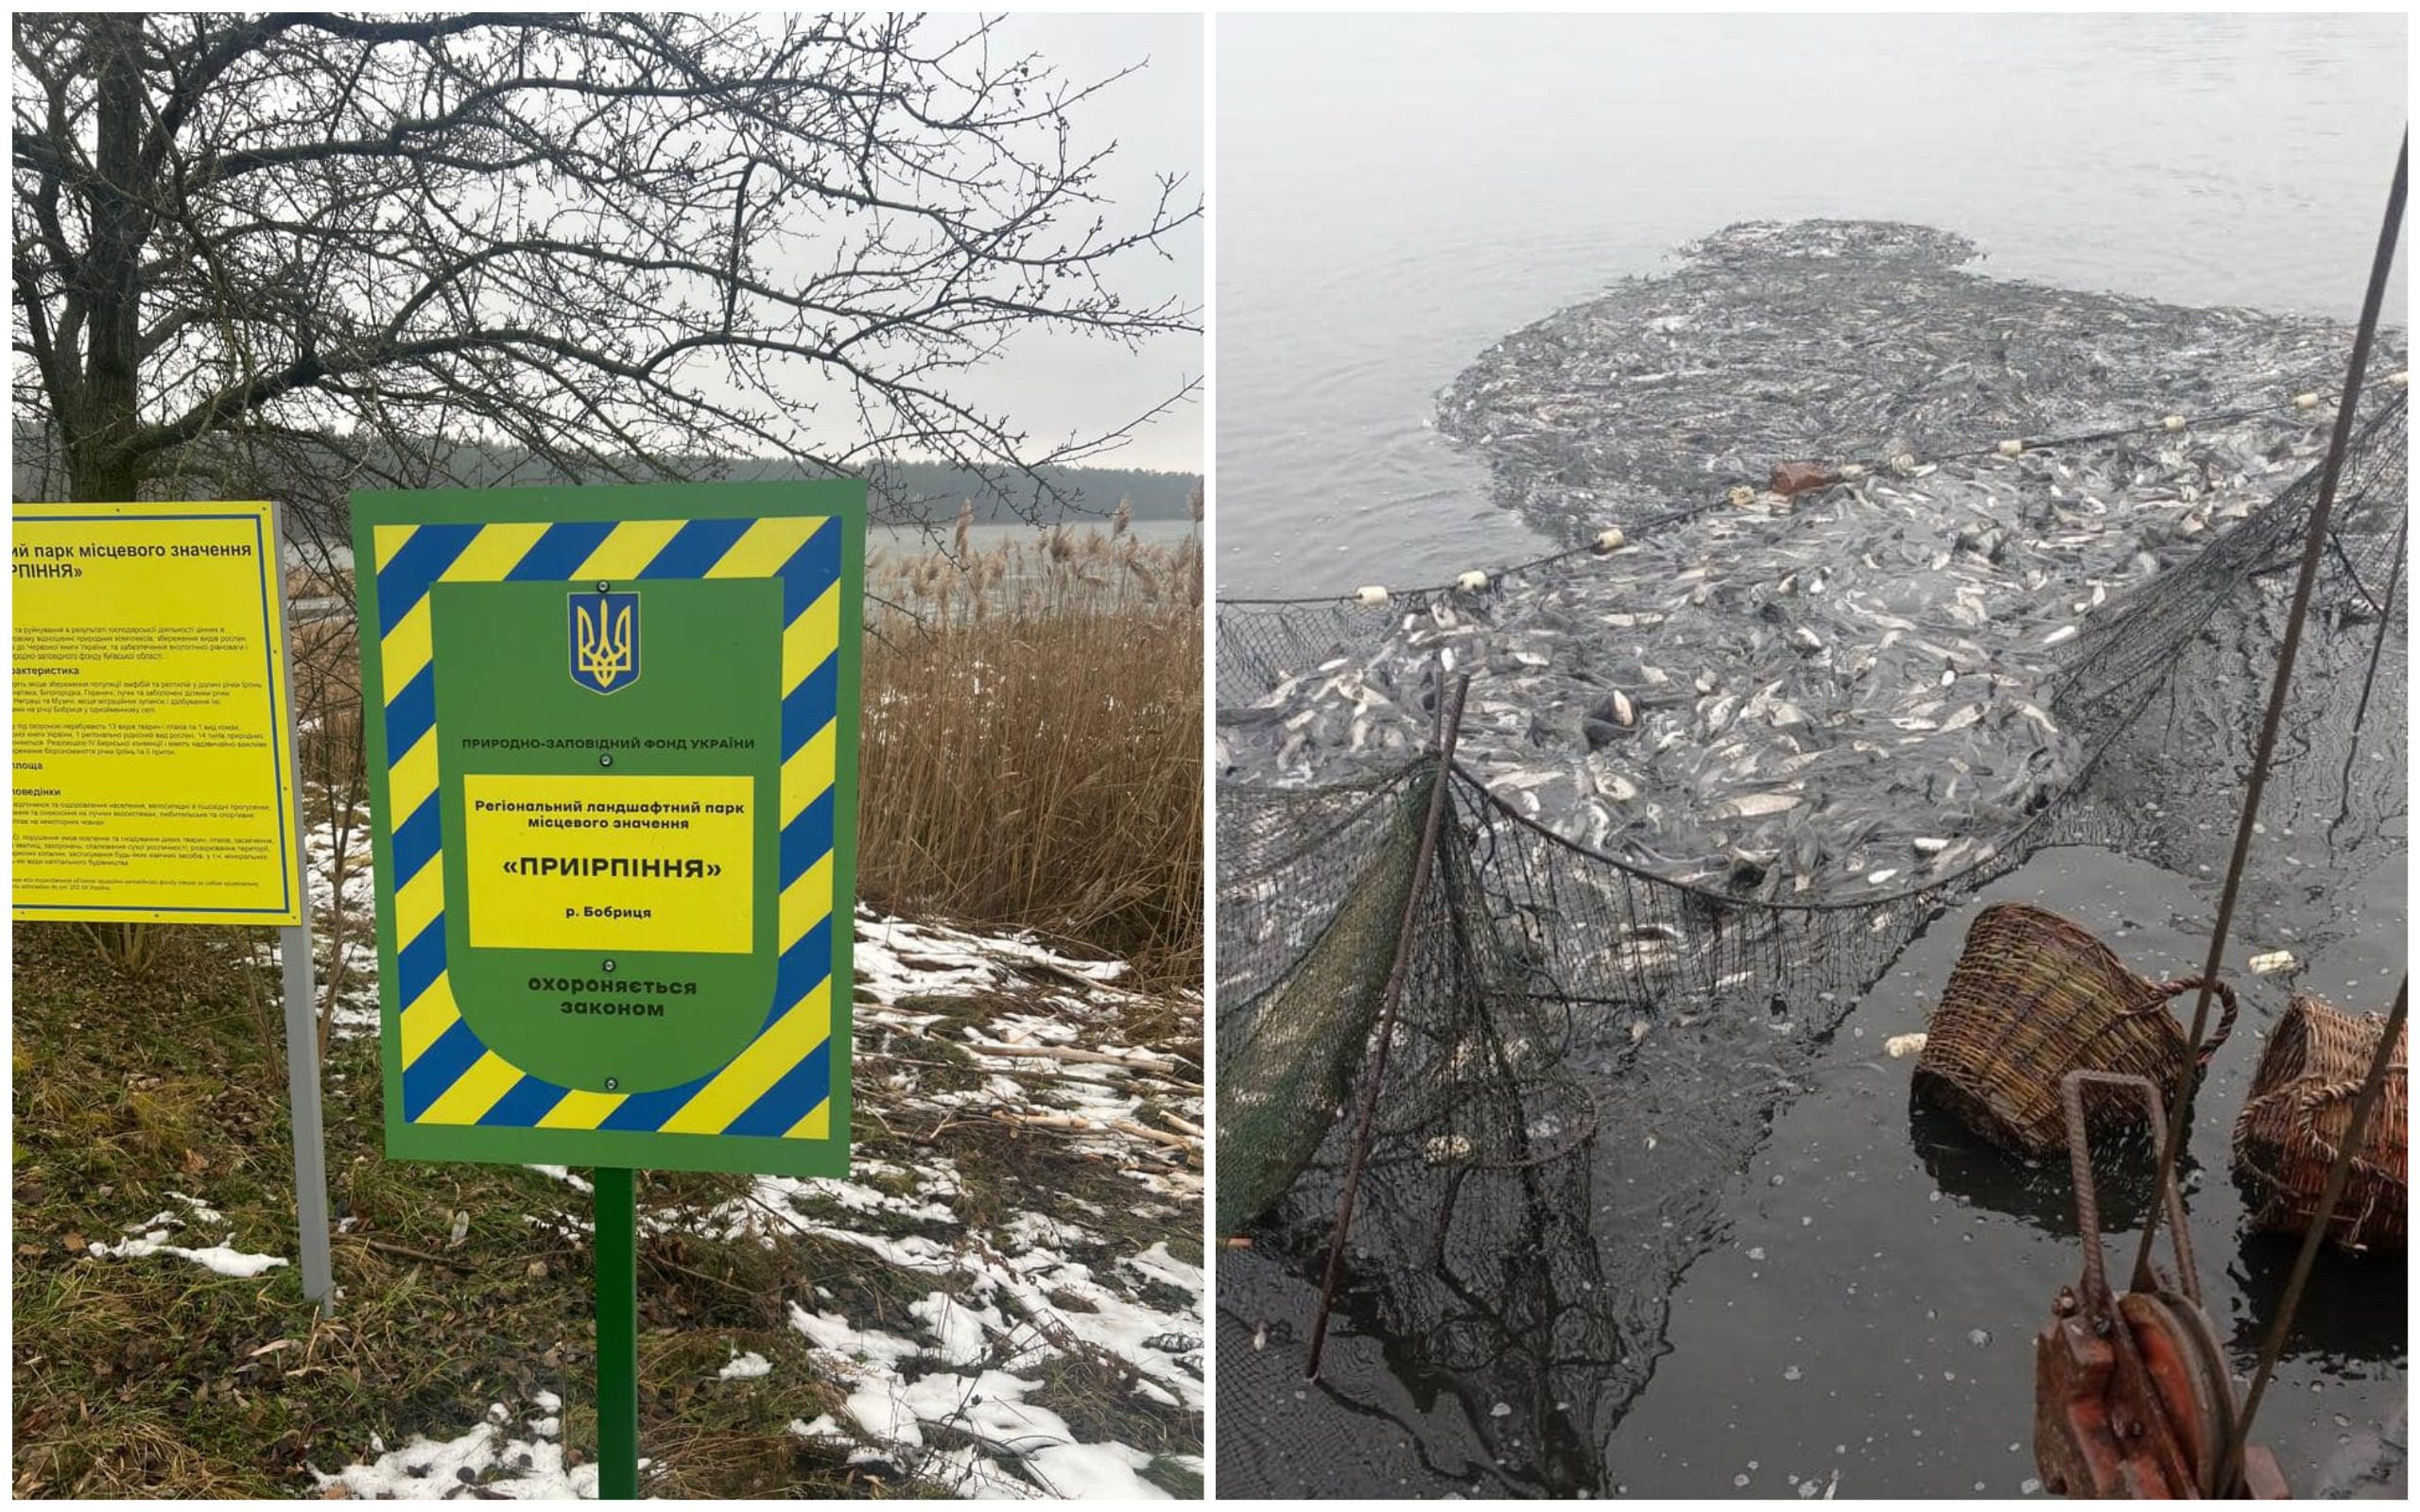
point(2386, 617)
point(2381, 264)
point(1904, 462)
point(1452, 727)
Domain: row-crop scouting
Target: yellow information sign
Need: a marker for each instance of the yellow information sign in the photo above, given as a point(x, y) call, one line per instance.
point(151, 757)
point(576, 863)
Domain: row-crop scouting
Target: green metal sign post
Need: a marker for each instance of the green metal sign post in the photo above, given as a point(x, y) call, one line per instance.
point(618, 1335)
point(613, 740)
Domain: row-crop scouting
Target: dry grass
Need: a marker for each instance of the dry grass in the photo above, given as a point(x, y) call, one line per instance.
point(1032, 741)
point(149, 1377)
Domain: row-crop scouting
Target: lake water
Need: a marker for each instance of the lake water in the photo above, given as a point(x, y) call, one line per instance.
point(892, 544)
point(899, 539)
point(1396, 194)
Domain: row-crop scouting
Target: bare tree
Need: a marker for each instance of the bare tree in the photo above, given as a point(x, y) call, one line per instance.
point(291, 247)
point(289, 256)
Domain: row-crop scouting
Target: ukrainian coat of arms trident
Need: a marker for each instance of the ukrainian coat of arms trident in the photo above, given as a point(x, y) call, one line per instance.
point(604, 641)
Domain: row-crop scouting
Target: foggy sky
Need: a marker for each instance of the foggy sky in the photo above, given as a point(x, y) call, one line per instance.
point(1054, 384)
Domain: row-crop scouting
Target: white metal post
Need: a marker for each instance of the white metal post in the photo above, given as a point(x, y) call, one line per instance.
point(301, 1007)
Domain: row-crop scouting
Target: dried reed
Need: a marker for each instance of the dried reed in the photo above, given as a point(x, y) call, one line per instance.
point(1032, 742)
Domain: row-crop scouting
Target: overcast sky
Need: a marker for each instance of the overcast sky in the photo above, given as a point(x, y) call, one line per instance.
point(1057, 384)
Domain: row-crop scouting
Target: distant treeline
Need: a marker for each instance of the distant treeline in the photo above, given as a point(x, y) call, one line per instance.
point(906, 492)
point(933, 491)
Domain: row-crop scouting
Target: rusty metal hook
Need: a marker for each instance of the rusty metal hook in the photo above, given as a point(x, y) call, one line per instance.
point(2095, 1286)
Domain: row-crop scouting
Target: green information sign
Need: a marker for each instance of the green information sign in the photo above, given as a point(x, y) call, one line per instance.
point(612, 738)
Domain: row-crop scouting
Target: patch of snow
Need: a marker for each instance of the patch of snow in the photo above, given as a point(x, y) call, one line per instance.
point(915, 1252)
point(1097, 1471)
point(1157, 1264)
point(1029, 1231)
point(749, 1367)
point(224, 1258)
point(892, 1412)
point(777, 1206)
point(1027, 1029)
point(203, 1211)
point(1116, 1324)
point(965, 1333)
point(895, 959)
point(520, 1469)
point(992, 1406)
point(963, 1473)
point(884, 1416)
point(829, 1332)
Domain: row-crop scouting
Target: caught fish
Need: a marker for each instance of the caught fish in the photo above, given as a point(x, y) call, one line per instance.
point(1848, 695)
point(1753, 805)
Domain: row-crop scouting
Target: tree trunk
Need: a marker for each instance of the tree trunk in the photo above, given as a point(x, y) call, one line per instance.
point(98, 424)
point(102, 465)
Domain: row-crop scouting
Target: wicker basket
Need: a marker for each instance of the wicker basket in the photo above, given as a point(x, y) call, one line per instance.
point(2300, 1109)
point(2034, 997)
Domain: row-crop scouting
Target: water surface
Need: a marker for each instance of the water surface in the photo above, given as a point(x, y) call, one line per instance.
point(1397, 192)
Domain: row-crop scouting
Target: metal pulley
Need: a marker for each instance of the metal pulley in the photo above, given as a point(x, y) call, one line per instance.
point(2132, 1395)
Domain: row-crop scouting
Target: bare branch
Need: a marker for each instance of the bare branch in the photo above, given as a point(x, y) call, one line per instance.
point(614, 246)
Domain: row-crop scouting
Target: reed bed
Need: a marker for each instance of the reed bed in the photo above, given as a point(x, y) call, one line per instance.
point(1032, 739)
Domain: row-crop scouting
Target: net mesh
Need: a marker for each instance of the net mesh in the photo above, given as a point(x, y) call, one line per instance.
point(1588, 1050)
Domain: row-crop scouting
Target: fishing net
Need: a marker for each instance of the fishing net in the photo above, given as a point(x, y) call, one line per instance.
point(1475, 1172)
point(1588, 1050)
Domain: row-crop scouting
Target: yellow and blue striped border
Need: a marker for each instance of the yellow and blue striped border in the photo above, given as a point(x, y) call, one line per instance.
point(448, 1076)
